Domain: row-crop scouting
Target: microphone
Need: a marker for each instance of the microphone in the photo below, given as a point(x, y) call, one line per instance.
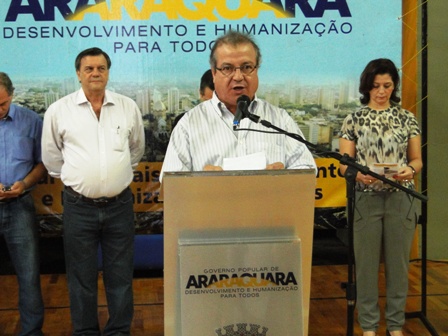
point(242, 106)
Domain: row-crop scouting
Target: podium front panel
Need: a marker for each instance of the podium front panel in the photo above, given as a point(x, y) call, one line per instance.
point(234, 287)
point(235, 206)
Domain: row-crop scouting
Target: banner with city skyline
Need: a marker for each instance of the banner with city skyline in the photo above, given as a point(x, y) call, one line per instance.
point(312, 55)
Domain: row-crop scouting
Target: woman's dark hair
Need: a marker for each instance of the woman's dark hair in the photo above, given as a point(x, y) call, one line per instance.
point(375, 67)
point(91, 52)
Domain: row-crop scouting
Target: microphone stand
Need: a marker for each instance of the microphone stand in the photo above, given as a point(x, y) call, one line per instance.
point(350, 175)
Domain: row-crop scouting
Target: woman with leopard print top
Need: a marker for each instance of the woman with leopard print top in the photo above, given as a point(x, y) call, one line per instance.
point(382, 134)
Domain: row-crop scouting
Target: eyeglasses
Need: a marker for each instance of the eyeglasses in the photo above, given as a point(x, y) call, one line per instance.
point(228, 70)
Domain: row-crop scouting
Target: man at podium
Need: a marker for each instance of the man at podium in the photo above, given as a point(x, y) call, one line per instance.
point(218, 130)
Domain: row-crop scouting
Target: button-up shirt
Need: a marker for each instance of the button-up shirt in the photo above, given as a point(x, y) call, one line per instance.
point(94, 156)
point(205, 136)
point(20, 144)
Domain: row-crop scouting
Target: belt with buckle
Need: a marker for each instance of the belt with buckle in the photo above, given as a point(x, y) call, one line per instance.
point(99, 202)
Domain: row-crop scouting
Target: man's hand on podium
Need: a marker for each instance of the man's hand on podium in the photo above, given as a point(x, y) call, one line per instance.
point(275, 165)
point(212, 168)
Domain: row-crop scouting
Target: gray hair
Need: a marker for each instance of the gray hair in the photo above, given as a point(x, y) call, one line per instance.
point(5, 81)
point(234, 38)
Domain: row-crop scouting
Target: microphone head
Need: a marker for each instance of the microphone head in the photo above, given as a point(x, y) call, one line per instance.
point(243, 103)
point(243, 98)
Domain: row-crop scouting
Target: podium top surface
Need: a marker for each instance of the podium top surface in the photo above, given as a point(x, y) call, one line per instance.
point(270, 172)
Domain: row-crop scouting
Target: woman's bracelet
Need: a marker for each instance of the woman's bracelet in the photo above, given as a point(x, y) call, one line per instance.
point(413, 170)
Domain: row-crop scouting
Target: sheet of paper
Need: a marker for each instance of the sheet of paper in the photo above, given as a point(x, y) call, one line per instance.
point(254, 161)
point(386, 169)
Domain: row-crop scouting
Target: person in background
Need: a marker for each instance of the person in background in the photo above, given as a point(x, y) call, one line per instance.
point(205, 135)
point(92, 140)
point(381, 131)
point(206, 88)
point(21, 168)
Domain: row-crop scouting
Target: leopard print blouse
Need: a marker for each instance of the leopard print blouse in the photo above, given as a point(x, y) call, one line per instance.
point(380, 137)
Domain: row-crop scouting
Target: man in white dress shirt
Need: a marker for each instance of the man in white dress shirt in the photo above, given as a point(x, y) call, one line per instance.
point(92, 140)
point(204, 137)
